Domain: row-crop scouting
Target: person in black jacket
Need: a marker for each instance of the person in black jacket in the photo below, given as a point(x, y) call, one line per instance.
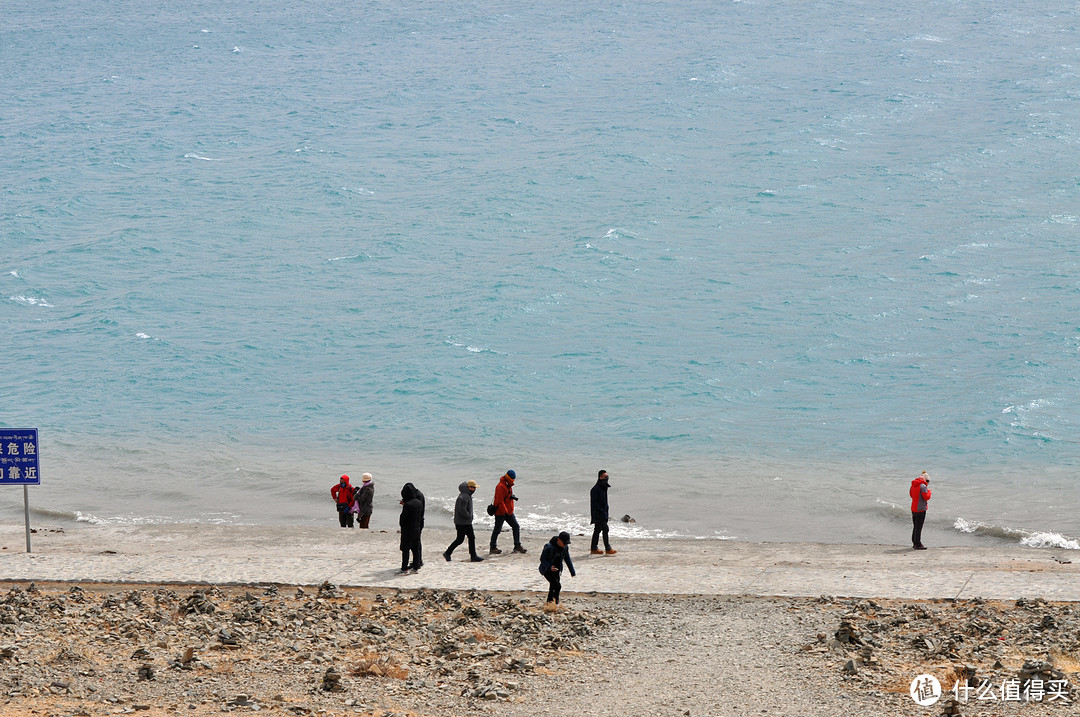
point(463, 518)
point(598, 506)
point(551, 565)
point(412, 523)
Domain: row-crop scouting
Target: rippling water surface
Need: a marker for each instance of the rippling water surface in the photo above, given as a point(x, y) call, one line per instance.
point(763, 261)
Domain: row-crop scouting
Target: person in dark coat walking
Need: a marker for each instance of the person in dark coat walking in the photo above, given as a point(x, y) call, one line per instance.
point(463, 518)
point(365, 496)
point(343, 494)
point(552, 557)
point(598, 506)
point(412, 523)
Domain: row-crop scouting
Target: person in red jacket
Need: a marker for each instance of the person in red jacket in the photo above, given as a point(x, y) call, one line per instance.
point(343, 494)
point(504, 513)
point(920, 494)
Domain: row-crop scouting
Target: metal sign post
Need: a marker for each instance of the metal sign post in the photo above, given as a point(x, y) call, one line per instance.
point(26, 513)
point(19, 464)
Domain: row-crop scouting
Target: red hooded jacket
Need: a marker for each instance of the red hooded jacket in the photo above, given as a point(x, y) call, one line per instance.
point(343, 493)
point(920, 493)
point(503, 504)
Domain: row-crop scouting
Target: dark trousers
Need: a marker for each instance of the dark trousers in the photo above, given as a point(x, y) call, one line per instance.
point(464, 531)
point(364, 520)
point(917, 520)
point(512, 522)
point(417, 555)
point(598, 530)
point(345, 519)
point(554, 586)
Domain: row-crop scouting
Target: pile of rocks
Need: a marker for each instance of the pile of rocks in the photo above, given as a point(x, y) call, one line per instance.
point(972, 644)
point(210, 649)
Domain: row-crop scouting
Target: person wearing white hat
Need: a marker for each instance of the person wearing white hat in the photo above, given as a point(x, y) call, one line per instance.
point(365, 495)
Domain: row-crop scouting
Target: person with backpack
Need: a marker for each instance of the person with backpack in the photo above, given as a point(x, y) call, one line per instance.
point(504, 513)
point(463, 518)
point(552, 558)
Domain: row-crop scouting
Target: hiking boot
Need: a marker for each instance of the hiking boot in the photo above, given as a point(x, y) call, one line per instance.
point(594, 551)
point(476, 559)
point(494, 551)
point(920, 547)
point(610, 551)
point(446, 556)
point(520, 549)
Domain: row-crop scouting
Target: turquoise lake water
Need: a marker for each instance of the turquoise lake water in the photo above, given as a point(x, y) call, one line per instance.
point(762, 261)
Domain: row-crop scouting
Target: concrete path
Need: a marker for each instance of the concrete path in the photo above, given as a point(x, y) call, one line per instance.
point(209, 554)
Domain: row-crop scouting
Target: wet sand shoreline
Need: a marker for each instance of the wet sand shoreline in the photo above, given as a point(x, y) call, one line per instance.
point(237, 555)
point(663, 627)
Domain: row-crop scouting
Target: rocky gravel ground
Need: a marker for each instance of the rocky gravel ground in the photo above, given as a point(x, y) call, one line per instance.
point(991, 658)
point(88, 649)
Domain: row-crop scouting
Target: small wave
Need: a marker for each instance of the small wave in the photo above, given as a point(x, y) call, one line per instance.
point(213, 518)
point(29, 301)
point(1029, 406)
point(55, 514)
point(351, 257)
point(471, 349)
point(546, 519)
point(1027, 538)
point(359, 190)
point(14, 273)
point(192, 155)
point(87, 518)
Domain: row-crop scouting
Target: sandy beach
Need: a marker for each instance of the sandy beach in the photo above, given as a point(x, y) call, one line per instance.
point(99, 620)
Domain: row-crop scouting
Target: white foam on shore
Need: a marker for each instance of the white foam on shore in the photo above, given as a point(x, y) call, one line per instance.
point(1027, 538)
point(222, 518)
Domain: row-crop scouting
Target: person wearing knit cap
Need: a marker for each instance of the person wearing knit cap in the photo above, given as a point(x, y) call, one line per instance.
point(504, 513)
point(463, 518)
point(343, 494)
point(551, 565)
point(365, 496)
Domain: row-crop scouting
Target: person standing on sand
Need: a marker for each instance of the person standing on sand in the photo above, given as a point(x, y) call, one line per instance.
point(412, 524)
point(598, 506)
point(342, 494)
point(920, 494)
point(463, 518)
point(504, 513)
point(551, 564)
point(365, 496)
